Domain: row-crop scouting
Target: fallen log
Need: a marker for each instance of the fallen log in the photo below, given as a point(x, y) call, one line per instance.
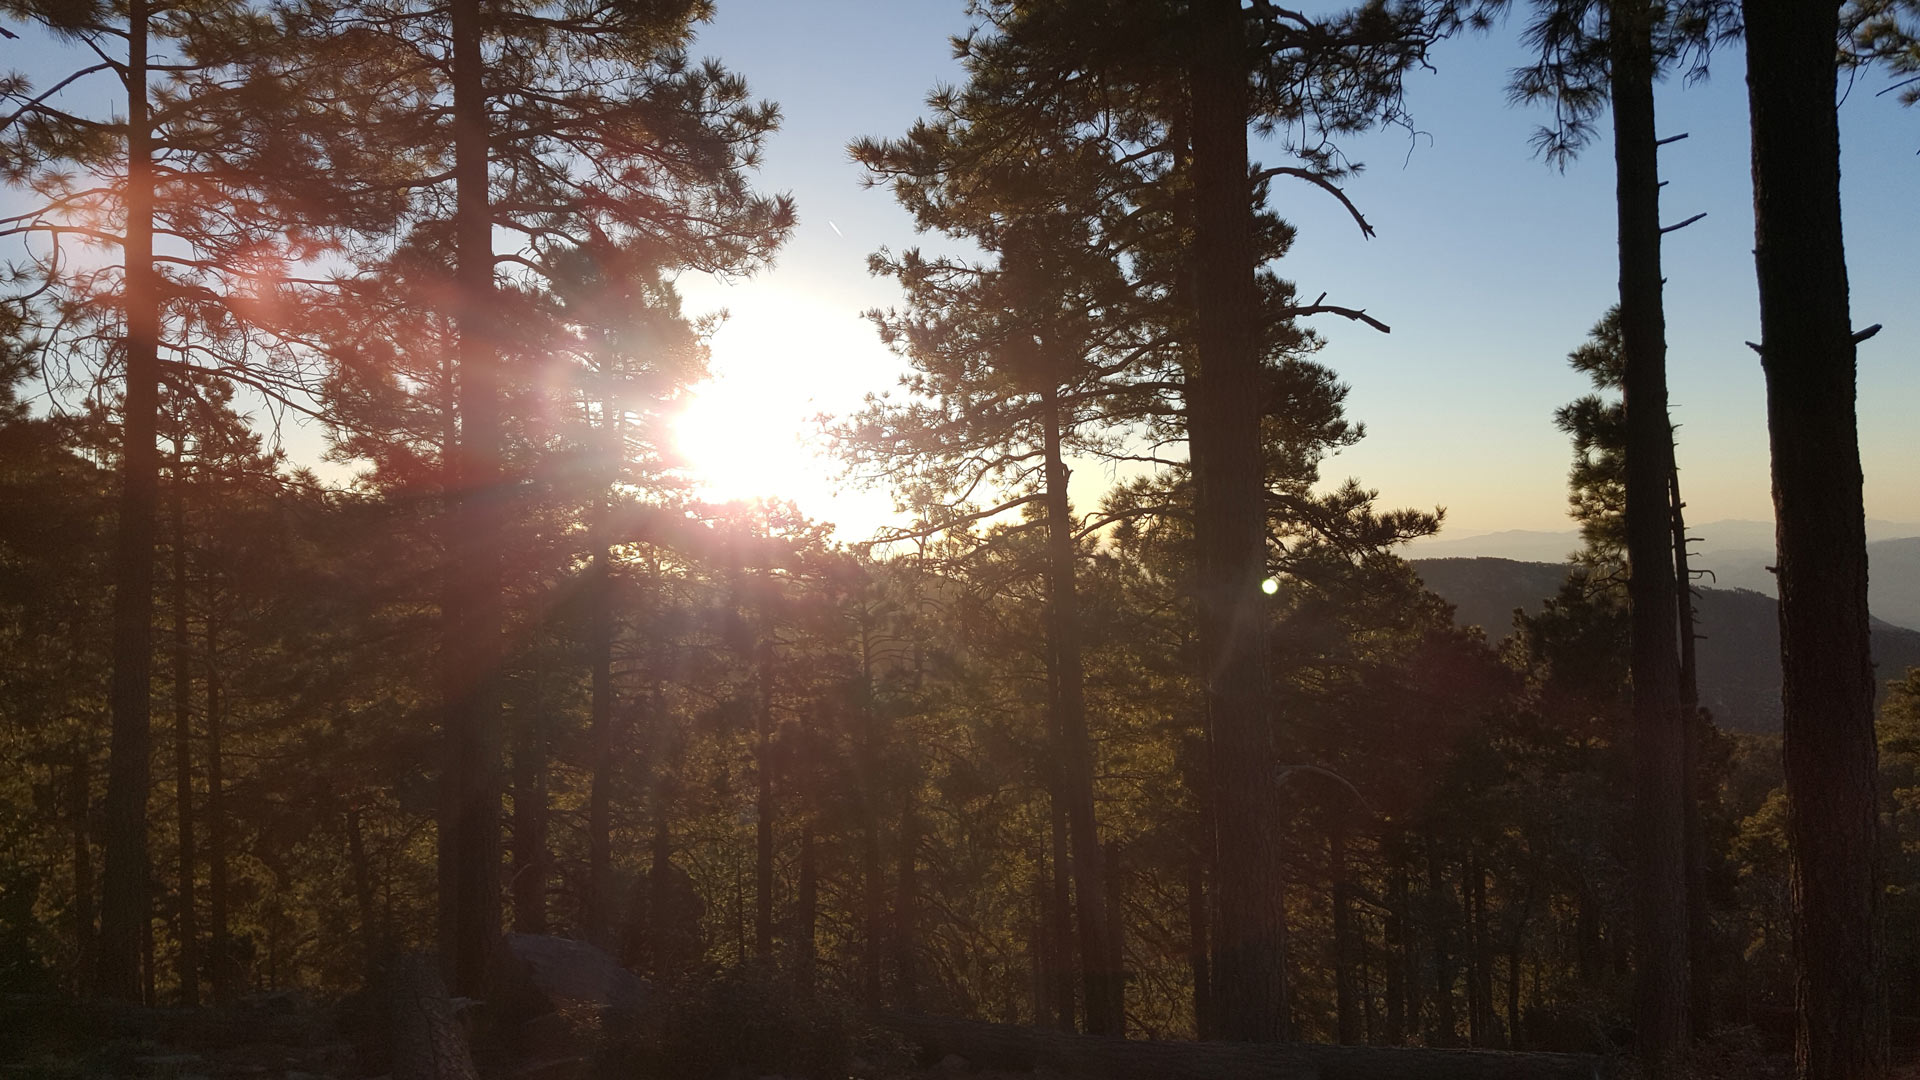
point(1003, 1046)
point(428, 1040)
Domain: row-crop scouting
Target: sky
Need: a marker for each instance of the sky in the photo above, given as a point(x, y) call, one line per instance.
point(1488, 264)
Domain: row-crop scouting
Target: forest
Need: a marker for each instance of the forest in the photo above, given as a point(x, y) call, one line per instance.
point(1202, 759)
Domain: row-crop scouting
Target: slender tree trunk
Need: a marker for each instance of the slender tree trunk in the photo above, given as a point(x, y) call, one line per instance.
point(1198, 958)
point(1446, 1032)
point(1116, 919)
point(598, 921)
point(763, 775)
point(149, 978)
point(1482, 965)
point(1104, 987)
point(124, 882)
point(371, 936)
point(1470, 915)
point(1398, 950)
point(1807, 351)
point(79, 803)
point(1345, 948)
point(906, 908)
point(1659, 752)
point(189, 930)
point(1699, 919)
point(1588, 944)
point(220, 940)
point(1513, 988)
point(873, 905)
point(530, 859)
point(1225, 398)
point(473, 619)
point(1064, 1006)
point(674, 937)
point(807, 911)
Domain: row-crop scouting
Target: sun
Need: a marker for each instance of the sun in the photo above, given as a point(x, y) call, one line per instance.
point(781, 361)
point(742, 442)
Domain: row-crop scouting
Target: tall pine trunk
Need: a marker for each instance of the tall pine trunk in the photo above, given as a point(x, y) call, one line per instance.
point(469, 848)
point(763, 773)
point(1225, 397)
point(1659, 750)
point(872, 881)
point(79, 806)
point(124, 881)
point(1699, 786)
point(1446, 1030)
point(1807, 352)
point(806, 916)
point(906, 906)
point(226, 974)
point(1346, 952)
point(1199, 960)
point(1100, 970)
point(1399, 951)
point(1060, 912)
point(530, 860)
point(597, 918)
point(372, 934)
point(188, 927)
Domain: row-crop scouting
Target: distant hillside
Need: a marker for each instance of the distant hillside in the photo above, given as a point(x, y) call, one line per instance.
point(1735, 555)
point(1740, 645)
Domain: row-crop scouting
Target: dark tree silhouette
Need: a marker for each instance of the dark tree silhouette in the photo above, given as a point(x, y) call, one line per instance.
point(1807, 349)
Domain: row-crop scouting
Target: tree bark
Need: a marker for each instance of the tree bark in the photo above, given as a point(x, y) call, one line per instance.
point(1198, 955)
point(1399, 951)
point(1100, 970)
point(529, 826)
point(1224, 404)
point(807, 912)
point(597, 921)
point(1064, 1004)
point(906, 908)
point(873, 884)
point(1698, 785)
point(1345, 950)
point(469, 848)
point(371, 935)
point(428, 1042)
point(1446, 1031)
point(1659, 751)
point(763, 774)
point(79, 802)
point(220, 938)
point(188, 928)
point(1807, 352)
point(124, 881)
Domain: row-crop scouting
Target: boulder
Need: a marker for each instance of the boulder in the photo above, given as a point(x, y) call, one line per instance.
point(561, 973)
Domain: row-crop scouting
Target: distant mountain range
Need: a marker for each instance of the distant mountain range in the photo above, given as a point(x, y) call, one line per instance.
point(1739, 653)
point(1737, 554)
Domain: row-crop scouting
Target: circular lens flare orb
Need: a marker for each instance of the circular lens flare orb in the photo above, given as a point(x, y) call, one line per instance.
point(1270, 586)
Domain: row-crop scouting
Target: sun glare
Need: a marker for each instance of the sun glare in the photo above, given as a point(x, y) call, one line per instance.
point(742, 443)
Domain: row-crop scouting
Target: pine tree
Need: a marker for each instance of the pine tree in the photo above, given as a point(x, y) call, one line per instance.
point(1807, 350)
point(569, 132)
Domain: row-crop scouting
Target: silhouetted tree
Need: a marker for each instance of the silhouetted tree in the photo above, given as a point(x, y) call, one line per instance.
point(1807, 345)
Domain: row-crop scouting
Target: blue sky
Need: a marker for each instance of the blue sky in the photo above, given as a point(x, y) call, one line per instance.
point(1489, 265)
